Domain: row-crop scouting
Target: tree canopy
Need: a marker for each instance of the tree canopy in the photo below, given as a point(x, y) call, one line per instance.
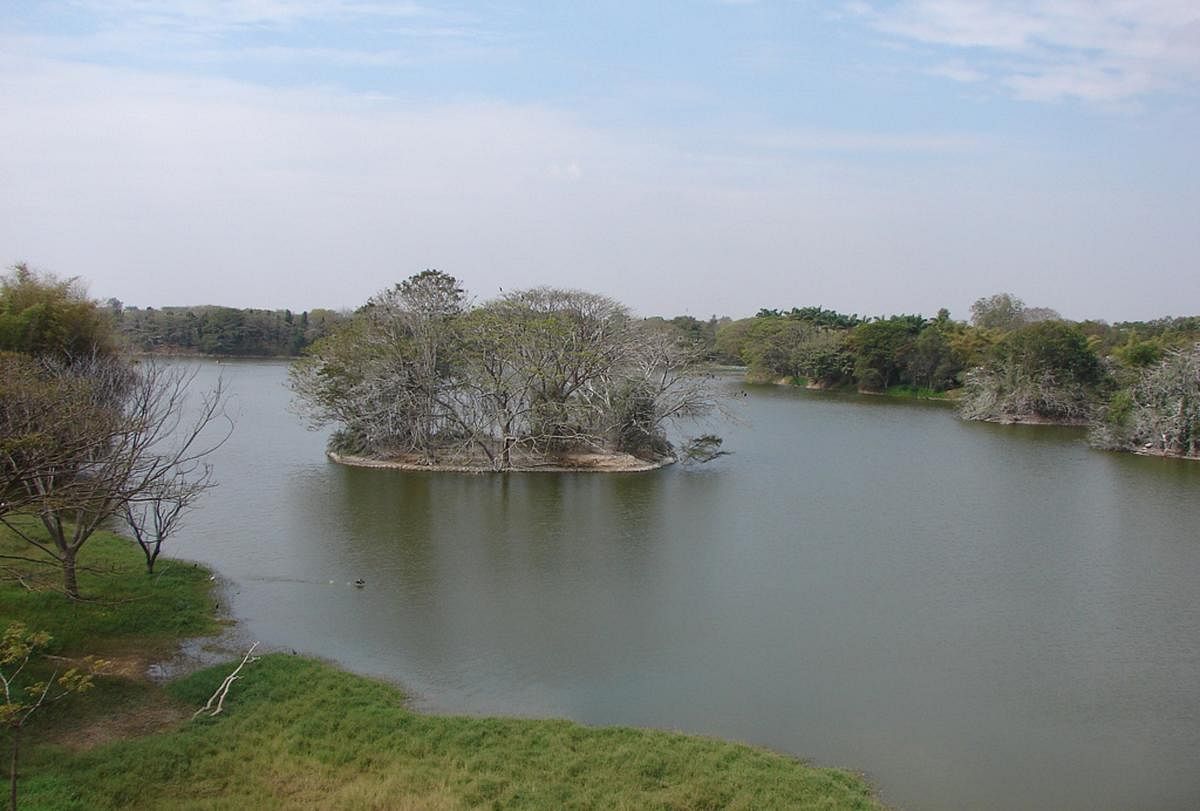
point(1045, 370)
point(531, 378)
point(43, 315)
point(226, 331)
point(1160, 412)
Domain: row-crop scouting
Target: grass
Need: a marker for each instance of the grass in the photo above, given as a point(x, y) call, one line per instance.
point(302, 733)
point(121, 605)
point(920, 393)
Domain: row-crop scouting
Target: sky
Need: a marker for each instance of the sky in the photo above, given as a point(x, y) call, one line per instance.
point(686, 156)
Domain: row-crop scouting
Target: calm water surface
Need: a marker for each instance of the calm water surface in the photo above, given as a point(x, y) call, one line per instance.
point(976, 616)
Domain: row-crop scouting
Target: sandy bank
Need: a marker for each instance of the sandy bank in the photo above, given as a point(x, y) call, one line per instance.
point(570, 463)
point(1161, 454)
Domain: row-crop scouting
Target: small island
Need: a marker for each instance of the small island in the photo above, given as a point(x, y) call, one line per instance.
point(585, 462)
point(534, 380)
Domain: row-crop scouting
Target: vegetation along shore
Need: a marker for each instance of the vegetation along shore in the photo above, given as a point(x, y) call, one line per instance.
point(297, 732)
point(1133, 383)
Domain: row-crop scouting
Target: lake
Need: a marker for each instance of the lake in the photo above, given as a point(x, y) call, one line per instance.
point(975, 616)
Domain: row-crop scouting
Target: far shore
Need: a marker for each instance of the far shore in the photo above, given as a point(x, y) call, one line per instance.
point(183, 354)
point(573, 463)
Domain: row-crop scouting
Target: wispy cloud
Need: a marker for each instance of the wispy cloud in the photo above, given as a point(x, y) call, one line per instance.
point(1046, 50)
point(337, 33)
point(225, 14)
point(957, 71)
point(849, 141)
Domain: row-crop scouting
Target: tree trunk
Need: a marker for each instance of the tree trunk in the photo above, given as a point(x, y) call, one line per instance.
point(506, 447)
point(12, 770)
point(70, 584)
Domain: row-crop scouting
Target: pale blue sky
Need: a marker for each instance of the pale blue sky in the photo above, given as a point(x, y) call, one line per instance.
point(707, 157)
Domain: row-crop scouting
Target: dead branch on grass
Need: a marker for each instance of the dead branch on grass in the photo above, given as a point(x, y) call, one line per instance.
point(223, 690)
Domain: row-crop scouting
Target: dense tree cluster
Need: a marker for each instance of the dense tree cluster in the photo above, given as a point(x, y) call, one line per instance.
point(1044, 369)
point(534, 377)
point(1011, 362)
point(222, 330)
point(825, 348)
point(44, 316)
point(1158, 413)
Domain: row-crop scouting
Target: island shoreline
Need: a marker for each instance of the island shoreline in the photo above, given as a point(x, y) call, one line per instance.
point(605, 463)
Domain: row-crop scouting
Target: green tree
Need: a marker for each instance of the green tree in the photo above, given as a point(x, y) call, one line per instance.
point(880, 348)
point(820, 317)
point(1045, 370)
point(801, 344)
point(1051, 346)
point(25, 694)
point(773, 351)
point(1139, 354)
point(932, 361)
point(825, 357)
point(732, 341)
point(46, 316)
point(1000, 311)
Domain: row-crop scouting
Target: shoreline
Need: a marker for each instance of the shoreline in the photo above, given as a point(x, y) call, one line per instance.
point(1154, 453)
point(601, 463)
point(374, 742)
point(1016, 419)
point(1033, 419)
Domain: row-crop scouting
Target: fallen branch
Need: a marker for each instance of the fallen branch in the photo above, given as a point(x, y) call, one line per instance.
point(223, 690)
point(18, 576)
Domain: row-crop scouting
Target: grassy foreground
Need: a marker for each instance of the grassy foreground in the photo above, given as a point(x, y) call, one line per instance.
point(302, 733)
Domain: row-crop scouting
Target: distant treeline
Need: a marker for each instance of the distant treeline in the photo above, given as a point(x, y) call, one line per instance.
point(1135, 382)
point(210, 330)
point(829, 349)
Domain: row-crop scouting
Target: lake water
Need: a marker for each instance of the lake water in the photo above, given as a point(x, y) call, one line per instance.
point(975, 616)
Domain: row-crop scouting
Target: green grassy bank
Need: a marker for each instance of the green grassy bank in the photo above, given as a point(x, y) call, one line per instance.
point(920, 393)
point(301, 733)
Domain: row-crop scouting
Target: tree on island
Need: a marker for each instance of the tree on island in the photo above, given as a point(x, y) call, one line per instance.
point(533, 378)
point(1160, 413)
point(1044, 370)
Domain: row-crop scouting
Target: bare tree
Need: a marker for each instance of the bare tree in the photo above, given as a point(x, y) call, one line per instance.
point(524, 380)
point(1160, 413)
point(671, 369)
point(123, 439)
point(384, 376)
point(155, 515)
